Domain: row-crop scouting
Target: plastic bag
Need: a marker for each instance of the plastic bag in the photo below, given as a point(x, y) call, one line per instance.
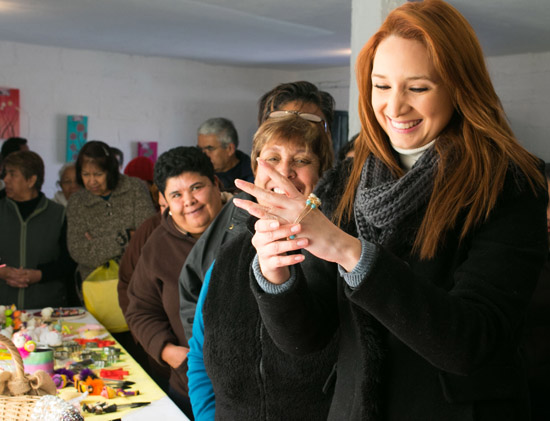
point(100, 294)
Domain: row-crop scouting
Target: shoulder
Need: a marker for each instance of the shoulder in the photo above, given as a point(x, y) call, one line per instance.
point(244, 158)
point(517, 186)
point(80, 198)
point(129, 184)
point(54, 206)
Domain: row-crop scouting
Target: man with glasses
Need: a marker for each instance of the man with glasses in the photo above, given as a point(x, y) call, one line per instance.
point(217, 138)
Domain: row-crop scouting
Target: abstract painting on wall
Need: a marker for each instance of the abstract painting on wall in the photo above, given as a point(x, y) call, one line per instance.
point(148, 150)
point(9, 113)
point(77, 134)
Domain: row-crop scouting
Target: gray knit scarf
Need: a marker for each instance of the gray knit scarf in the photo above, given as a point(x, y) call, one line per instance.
point(387, 210)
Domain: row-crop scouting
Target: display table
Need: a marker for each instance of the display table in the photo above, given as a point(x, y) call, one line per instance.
point(161, 405)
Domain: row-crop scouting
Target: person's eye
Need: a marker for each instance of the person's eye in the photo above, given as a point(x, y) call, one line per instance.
point(302, 161)
point(197, 187)
point(418, 90)
point(272, 159)
point(381, 86)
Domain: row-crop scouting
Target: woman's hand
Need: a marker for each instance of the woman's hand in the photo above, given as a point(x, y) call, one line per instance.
point(271, 243)
point(174, 355)
point(323, 239)
point(20, 278)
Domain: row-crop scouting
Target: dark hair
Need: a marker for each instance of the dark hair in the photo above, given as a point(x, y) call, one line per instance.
point(119, 155)
point(347, 147)
point(302, 91)
point(547, 170)
point(179, 160)
point(223, 128)
point(29, 163)
point(98, 153)
point(12, 144)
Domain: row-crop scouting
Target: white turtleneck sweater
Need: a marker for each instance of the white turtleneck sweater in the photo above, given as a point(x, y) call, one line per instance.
point(410, 156)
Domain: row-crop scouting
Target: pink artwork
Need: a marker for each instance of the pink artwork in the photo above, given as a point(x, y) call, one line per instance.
point(148, 150)
point(9, 113)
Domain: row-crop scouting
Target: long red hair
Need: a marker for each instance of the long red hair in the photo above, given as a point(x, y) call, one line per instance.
point(477, 145)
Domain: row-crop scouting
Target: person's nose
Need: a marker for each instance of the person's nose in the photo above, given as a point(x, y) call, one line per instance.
point(189, 198)
point(397, 104)
point(286, 169)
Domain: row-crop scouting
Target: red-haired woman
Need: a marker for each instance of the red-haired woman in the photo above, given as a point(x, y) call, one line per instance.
point(449, 212)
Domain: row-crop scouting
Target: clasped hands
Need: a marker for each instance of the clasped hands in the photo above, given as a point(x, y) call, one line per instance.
point(274, 228)
point(20, 277)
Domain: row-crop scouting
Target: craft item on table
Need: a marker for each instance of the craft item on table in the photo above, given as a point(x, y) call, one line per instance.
point(99, 342)
point(92, 331)
point(53, 408)
point(46, 313)
point(46, 335)
point(118, 384)
point(24, 343)
point(49, 314)
point(62, 380)
point(108, 392)
point(11, 317)
point(68, 313)
point(115, 373)
point(34, 358)
point(106, 407)
point(87, 381)
point(79, 366)
point(124, 392)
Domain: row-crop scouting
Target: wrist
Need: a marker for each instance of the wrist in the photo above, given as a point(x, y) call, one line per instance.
point(349, 252)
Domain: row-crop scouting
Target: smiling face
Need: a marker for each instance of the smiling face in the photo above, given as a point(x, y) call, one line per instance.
point(94, 179)
point(293, 161)
point(194, 201)
point(19, 188)
point(408, 97)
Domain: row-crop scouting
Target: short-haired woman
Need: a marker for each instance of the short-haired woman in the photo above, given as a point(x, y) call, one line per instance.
point(35, 267)
point(185, 178)
point(235, 369)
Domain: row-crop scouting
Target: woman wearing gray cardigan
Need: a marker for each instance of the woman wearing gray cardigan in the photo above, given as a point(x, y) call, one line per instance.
point(103, 215)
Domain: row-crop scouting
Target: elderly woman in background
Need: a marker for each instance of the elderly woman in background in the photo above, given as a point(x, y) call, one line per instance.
point(36, 267)
point(186, 180)
point(230, 344)
point(103, 215)
point(67, 183)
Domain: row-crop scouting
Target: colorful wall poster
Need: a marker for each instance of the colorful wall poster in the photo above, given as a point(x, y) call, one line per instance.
point(77, 134)
point(148, 150)
point(9, 113)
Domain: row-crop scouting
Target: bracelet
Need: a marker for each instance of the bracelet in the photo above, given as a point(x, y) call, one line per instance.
point(312, 202)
